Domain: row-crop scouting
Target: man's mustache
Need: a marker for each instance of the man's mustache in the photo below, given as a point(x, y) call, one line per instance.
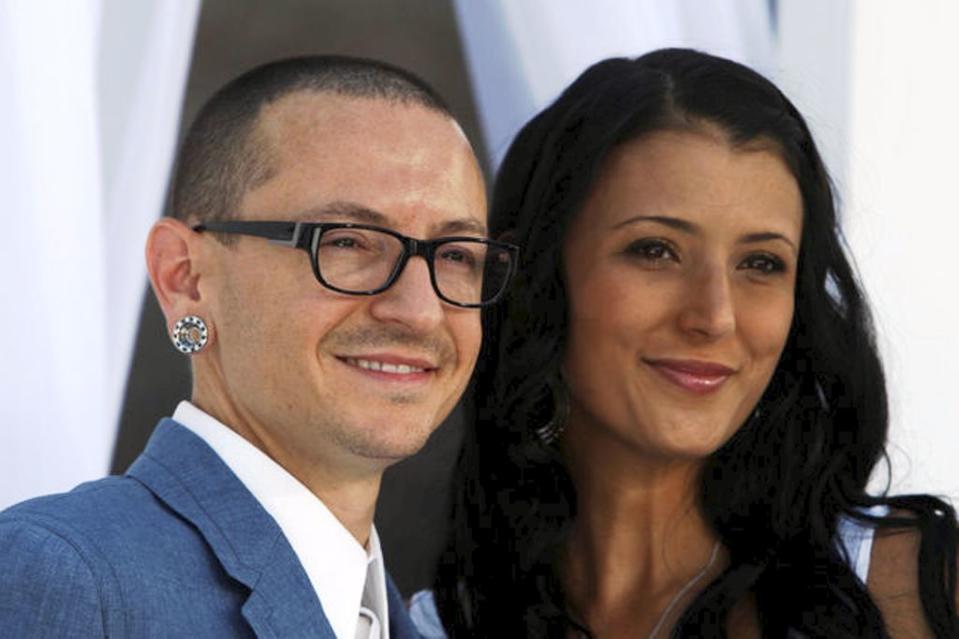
point(438, 348)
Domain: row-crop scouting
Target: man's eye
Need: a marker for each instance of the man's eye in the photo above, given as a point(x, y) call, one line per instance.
point(455, 256)
point(652, 250)
point(345, 241)
point(458, 255)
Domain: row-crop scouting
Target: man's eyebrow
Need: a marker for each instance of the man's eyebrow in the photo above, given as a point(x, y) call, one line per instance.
point(461, 225)
point(349, 210)
point(354, 212)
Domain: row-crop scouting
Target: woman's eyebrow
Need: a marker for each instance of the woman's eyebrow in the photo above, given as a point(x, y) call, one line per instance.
point(690, 227)
point(673, 222)
point(766, 236)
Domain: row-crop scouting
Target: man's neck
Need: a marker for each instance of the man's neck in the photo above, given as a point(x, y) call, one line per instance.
point(349, 491)
point(352, 501)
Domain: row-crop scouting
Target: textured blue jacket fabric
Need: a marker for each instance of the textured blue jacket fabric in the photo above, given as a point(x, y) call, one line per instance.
point(177, 547)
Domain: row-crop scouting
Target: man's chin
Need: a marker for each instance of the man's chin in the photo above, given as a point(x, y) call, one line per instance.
point(390, 439)
point(387, 453)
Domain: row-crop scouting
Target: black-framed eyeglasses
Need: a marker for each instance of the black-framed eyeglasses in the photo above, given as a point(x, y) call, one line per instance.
point(360, 259)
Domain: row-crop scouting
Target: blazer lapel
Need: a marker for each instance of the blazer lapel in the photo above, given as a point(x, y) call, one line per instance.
point(187, 475)
point(277, 608)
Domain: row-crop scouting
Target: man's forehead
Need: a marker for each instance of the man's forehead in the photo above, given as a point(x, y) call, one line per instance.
point(416, 175)
point(301, 109)
point(333, 128)
point(355, 212)
point(359, 158)
point(316, 112)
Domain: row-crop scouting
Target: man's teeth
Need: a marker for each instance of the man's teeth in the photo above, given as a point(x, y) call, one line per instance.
point(383, 367)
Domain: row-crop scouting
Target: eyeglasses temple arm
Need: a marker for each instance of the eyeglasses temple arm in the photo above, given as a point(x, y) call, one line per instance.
point(282, 233)
point(289, 237)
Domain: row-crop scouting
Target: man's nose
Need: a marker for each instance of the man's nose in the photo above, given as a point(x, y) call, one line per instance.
point(708, 307)
point(411, 300)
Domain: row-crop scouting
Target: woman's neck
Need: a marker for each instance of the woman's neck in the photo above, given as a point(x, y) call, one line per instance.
point(639, 536)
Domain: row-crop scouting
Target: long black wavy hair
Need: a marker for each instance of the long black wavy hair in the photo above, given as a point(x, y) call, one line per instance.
point(775, 492)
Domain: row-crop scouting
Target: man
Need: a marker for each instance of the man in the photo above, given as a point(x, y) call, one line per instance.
point(326, 345)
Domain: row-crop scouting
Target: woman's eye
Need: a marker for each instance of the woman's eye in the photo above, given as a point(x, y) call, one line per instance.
point(652, 250)
point(763, 264)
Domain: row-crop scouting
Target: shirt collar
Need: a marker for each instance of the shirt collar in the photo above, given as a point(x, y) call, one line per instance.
point(336, 564)
point(374, 594)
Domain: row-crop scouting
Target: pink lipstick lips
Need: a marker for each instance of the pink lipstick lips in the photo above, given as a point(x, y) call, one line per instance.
point(692, 375)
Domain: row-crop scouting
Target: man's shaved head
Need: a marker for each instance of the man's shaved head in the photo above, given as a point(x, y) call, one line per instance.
point(225, 154)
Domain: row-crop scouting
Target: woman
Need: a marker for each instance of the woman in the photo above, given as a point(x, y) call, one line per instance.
point(679, 407)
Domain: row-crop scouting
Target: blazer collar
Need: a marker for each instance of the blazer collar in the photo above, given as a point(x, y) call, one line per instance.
point(185, 473)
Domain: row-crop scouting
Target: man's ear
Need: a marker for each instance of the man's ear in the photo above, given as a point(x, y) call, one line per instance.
point(171, 254)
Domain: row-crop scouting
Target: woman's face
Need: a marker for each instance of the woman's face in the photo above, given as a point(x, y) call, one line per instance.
point(680, 272)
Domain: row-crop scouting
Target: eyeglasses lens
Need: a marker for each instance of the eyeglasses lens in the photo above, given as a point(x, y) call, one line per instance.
point(357, 259)
point(361, 260)
point(470, 272)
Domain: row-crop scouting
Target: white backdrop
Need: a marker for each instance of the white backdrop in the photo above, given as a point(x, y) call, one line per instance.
point(875, 80)
point(904, 221)
point(90, 93)
point(521, 54)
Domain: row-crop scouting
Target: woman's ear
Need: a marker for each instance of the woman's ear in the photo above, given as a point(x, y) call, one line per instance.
point(508, 235)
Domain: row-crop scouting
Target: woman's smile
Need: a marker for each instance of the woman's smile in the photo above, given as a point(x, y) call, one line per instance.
point(695, 376)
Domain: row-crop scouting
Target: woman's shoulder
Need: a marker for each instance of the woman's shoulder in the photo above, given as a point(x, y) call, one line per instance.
point(886, 558)
point(855, 538)
point(893, 578)
point(425, 616)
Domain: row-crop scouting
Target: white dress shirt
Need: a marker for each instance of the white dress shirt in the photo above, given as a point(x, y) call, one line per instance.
point(344, 575)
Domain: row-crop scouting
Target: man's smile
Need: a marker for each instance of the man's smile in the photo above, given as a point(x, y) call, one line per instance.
point(391, 367)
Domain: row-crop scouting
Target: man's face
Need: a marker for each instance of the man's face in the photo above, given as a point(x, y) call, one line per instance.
point(294, 364)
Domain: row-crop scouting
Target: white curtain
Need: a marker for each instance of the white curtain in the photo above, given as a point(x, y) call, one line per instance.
point(90, 94)
point(521, 54)
point(874, 78)
point(903, 222)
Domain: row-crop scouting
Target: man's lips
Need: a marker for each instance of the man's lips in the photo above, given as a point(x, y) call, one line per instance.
point(390, 366)
point(692, 375)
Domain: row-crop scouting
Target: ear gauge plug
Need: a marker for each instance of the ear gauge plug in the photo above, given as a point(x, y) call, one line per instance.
point(190, 334)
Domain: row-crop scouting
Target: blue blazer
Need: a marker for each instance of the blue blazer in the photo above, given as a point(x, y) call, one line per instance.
point(177, 547)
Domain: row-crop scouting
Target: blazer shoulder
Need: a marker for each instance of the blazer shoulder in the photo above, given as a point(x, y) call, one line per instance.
point(99, 511)
point(57, 559)
point(117, 551)
point(120, 526)
point(49, 586)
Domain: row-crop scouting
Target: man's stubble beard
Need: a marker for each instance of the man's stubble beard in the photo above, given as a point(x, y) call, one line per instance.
point(362, 440)
point(381, 441)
